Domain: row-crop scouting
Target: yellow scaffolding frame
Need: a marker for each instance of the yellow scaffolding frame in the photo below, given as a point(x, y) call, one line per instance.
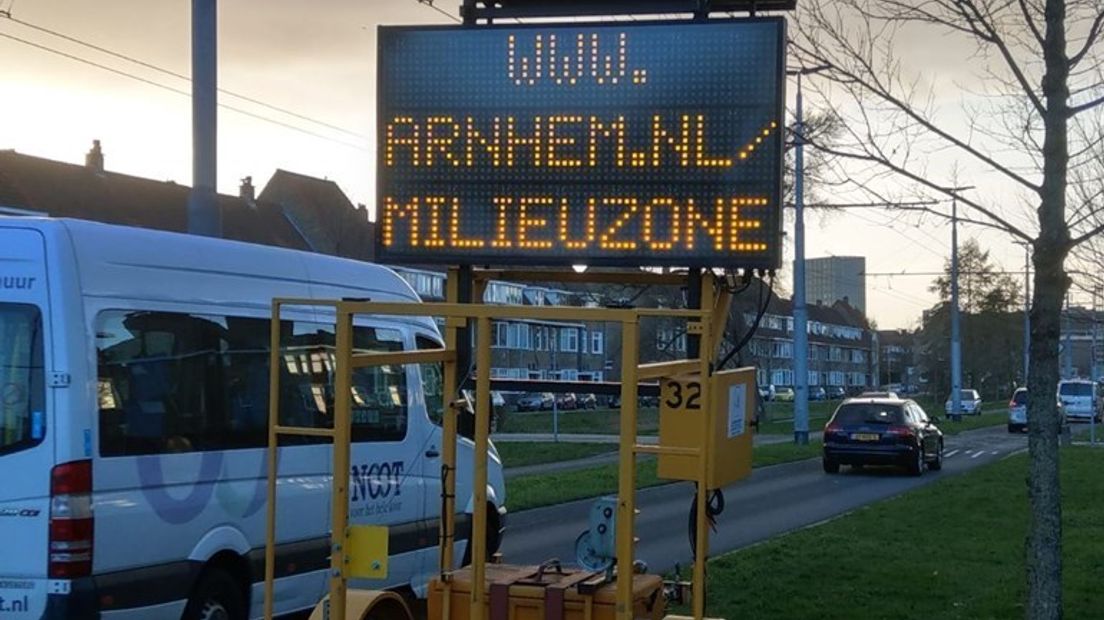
point(707, 322)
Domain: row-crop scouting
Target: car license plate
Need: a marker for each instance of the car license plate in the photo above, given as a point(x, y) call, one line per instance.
point(865, 436)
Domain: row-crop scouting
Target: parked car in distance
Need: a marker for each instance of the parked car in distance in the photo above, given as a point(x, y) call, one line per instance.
point(817, 392)
point(1080, 399)
point(586, 401)
point(1017, 411)
point(892, 395)
point(970, 403)
point(784, 394)
point(882, 431)
point(836, 392)
point(566, 401)
point(766, 392)
point(537, 401)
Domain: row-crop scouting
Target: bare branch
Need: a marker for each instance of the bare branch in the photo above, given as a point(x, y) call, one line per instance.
point(1090, 40)
point(1030, 21)
point(883, 92)
point(1001, 223)
point(992, 36)
point(1076, 241)
point(1074, 110)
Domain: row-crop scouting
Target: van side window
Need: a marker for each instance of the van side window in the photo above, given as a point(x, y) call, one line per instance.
point(432, 382)
point(174, 382)
point(379, 398)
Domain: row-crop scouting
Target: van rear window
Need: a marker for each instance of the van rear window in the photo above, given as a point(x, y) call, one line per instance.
point(22, 391)
point(1075, 389)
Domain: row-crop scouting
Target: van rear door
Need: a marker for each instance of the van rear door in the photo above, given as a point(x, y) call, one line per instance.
point(26, 454)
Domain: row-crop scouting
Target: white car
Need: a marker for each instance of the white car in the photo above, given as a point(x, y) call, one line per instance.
point(1080, 398)
point(970, 403)
point(1017, 411)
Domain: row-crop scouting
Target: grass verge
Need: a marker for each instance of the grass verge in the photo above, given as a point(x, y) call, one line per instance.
point(538, 490)
point(953, 549)
point(589, 421)
point(519, 454)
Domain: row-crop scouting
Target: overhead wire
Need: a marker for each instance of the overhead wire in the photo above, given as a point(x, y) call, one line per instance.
point(178, 91)
point(175, 74)
point(430, 4)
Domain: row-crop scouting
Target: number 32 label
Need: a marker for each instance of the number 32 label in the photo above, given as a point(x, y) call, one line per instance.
point(683, 395)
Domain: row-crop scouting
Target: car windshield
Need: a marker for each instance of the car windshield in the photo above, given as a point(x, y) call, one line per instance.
point(1020, 397)
point(22, 391)
point(868, 413)
point(1075, 389)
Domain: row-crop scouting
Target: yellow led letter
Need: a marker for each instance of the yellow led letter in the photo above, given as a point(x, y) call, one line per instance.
point(393, 211)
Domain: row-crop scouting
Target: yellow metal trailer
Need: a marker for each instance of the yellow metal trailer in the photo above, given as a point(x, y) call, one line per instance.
point(477, 592)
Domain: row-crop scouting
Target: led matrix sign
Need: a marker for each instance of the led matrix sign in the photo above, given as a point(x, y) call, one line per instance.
point(604, 144)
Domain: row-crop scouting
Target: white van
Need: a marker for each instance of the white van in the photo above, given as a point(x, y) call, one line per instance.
point(134, 389)
point(1080, 399)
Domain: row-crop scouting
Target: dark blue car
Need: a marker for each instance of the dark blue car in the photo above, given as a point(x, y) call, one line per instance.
point(882, 431)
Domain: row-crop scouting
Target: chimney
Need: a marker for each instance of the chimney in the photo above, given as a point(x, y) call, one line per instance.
point(94, 159)
point(246, 192)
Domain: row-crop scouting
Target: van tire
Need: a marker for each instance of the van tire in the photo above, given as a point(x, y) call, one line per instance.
point(217, 596)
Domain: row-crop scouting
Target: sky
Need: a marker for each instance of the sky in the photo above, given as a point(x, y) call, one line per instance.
point(317, 61)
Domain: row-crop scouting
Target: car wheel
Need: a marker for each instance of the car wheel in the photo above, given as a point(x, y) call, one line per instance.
point(831, 466)
point(916, 466)
point(937, 464)
point(217, 596)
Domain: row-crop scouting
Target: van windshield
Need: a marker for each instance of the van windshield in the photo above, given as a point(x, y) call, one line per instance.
point(22, 391)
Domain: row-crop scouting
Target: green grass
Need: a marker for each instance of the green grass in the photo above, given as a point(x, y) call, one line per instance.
point(989, 417)
point(778, 419)
point(593, 421)
point(537, 490)
point(950, 550)
point(519, 454)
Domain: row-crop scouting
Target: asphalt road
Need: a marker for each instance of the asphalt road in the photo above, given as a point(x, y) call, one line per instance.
point(772, 501)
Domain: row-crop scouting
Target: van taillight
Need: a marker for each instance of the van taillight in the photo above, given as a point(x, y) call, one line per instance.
point(71, 520)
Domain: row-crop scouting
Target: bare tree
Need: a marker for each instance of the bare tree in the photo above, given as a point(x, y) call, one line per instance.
point(1032, 93)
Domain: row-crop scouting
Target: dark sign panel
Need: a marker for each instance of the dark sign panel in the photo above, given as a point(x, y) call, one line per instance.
point(604, 144)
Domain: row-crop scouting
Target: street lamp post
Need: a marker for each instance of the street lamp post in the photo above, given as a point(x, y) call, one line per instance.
point(800, 313)
point(956, 336)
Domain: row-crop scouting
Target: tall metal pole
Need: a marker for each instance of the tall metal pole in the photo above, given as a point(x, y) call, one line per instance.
point(1067, 358)
point(1095, 339)
point(1027, 312)
point(800, 335)
point(956, 343)
point(204, 217)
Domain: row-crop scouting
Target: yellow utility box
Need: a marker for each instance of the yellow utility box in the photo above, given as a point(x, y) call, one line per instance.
point(681, 407)
point(532, 593)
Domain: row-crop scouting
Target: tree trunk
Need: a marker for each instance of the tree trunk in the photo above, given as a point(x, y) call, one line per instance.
point(1044, 540)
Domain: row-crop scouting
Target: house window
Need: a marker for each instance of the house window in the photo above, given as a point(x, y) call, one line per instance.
point(781, 350)
point(597, 341)
point(569, 340)
point(501, 336)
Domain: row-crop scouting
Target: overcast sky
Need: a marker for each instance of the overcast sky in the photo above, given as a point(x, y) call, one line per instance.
point(317, 59)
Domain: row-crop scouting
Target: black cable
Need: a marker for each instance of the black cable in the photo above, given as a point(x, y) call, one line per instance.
point(755, 326)
point(430, 4)
point(714, 506)
point(169, 72)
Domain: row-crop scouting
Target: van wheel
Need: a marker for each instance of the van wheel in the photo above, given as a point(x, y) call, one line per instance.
point(217, 596)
